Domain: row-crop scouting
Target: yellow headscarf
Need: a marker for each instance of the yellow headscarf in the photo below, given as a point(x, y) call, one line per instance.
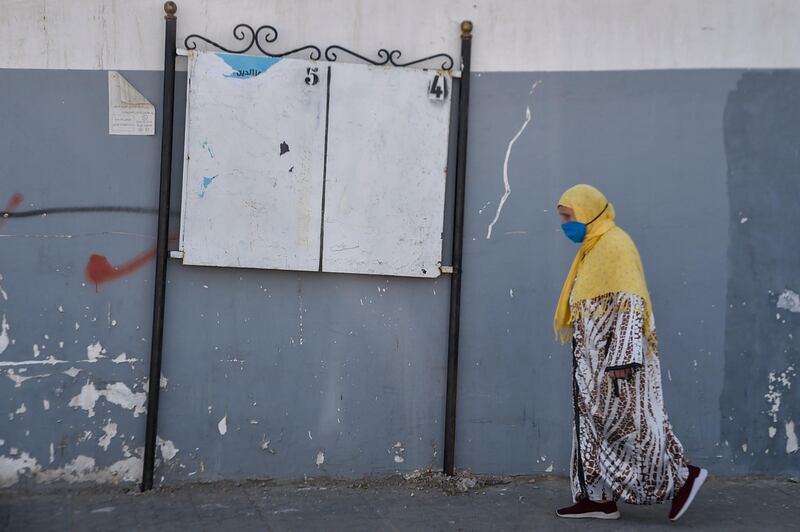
point(607, 261)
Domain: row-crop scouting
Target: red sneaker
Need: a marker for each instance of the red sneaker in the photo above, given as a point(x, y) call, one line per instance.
point(586, 509)
point(683, 499)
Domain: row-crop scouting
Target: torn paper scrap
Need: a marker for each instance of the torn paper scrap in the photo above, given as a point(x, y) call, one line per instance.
point(129, 113)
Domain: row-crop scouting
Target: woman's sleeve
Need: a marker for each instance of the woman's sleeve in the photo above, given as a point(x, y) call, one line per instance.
point(626, 342)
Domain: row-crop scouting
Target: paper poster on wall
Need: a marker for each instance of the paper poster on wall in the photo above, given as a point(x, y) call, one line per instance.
point(129, 113)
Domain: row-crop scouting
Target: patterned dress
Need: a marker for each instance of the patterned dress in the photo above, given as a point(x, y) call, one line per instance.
point(623, 447)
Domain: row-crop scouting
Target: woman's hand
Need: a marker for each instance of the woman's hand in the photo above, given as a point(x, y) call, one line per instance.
point(620, 373)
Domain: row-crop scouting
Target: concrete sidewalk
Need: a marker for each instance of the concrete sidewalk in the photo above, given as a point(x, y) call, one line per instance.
point(387, 503)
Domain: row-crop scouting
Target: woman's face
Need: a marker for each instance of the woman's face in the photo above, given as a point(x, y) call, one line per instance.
point(567, 214)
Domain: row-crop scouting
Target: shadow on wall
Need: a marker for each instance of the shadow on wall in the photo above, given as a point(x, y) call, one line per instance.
point(759, 405)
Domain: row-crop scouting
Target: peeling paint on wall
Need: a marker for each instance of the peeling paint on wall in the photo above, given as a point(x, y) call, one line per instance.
point(117, 393)
point(109, 431)
point(80, 469)
point(791, 438)
point(4, 339)
point(789, 300)
point(167, 448)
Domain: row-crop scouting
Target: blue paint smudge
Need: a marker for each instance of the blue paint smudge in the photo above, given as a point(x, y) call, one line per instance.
point(247, 66)
point(206, 182)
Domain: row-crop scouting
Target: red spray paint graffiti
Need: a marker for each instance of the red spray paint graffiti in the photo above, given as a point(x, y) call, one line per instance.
point(99, 270)
point(13, 203)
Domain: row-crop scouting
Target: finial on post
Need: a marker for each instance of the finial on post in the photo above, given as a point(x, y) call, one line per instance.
point(466, 29)
point(170, 8)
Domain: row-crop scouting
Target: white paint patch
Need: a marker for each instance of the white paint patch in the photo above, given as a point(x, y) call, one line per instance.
point(511, 292)
point(52, 453)
point(124, 358)
point(36, 351)
point(222, 426)
point(778, 383)
point(791, 438)
point(84, 469)
point(506, 184)
point(19, 379)
point(110, 430)
point(549, 469)
point(72, 372)
point(743, 220)
point(104, 510)
point(167, 448)
point(320, 458)
point(95, 351)
point(789, 300)
point(309, 435)
point(22, 409)
point(744, 447)
point(49, 361)
point(398, 451)
point(772, 432)
point(117, 393)
point(3, 292)
point(11, 468)
point(45, 404)
point(4, 339)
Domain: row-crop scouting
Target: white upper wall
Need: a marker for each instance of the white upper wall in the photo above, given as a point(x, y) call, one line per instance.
point(510, 35)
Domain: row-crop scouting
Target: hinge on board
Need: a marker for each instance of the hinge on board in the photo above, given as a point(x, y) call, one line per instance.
point(176, 254)
point(446, 269)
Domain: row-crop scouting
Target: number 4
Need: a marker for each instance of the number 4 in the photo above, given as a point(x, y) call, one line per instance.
point(437, 88)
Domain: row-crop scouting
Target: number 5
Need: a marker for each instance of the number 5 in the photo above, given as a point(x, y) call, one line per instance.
point(311, 76)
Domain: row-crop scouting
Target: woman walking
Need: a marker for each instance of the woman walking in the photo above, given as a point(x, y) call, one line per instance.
point(623, 444)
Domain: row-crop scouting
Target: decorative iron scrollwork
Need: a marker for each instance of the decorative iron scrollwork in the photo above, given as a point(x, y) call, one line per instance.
point(388, 57)
point(269, 34)
point(243, 32)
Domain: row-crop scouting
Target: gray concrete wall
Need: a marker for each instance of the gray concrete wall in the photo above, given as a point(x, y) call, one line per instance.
point(343, 375)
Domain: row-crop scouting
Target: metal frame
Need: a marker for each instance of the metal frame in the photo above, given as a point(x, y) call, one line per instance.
point(162, 253)
point(458, 246)
point(269, 34)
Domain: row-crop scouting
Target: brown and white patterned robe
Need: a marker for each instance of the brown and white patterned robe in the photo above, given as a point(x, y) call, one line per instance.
point(623, 445)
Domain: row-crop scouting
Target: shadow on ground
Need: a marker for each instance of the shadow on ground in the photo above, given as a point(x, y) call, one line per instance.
point(418, 501)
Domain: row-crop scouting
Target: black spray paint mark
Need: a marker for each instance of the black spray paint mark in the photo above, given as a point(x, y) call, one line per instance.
point(65, 210)
point(284, 147)
point(290, 169)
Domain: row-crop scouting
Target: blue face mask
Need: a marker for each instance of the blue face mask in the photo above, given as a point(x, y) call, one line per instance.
point(576, 231)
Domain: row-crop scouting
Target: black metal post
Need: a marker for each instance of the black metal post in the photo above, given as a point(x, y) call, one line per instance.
point(153, 385)
point(458, 244)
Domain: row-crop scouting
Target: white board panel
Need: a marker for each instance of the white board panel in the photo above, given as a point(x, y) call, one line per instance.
point(386, 170)
point(254, 148)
